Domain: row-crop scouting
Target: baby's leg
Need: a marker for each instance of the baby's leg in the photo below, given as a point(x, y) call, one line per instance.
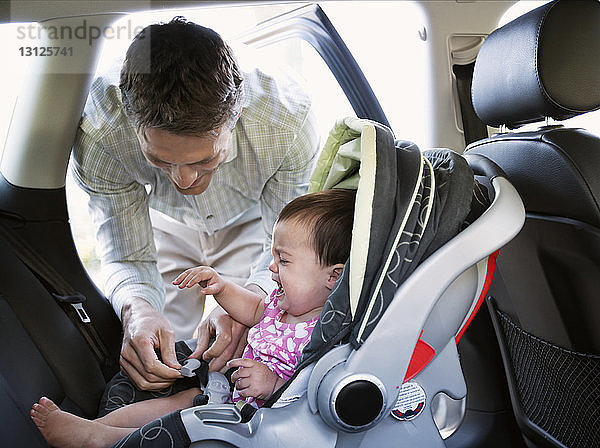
point(61, 429)
point(138, 414)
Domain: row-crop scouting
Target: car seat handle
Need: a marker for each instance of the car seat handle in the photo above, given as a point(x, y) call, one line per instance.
point(482, 166)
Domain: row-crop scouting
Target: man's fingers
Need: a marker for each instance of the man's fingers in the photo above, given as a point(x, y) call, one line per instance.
point(167, 349)
point(238, 333)
point(243, 340)
point(145, 329)
point(216, 364)
point(223, 349)
point(221, 343)
point(202, 341)
point(151, 382)
point(231, 351)
point(150, 363)
point(131, 360)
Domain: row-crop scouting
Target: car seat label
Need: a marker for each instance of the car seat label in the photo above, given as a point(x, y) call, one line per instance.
point(410, 402)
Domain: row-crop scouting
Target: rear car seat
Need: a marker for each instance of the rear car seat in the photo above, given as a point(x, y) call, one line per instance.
point(42, 350)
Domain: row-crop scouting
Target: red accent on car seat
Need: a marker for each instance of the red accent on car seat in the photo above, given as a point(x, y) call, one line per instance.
point(424, 352)
point(489, 275)
point(421, 356)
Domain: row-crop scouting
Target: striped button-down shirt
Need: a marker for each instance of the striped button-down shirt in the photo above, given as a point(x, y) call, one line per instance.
point(274, 147)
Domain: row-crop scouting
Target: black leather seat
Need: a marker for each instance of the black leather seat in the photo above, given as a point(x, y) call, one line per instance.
point(42, 350)
point(545, 298)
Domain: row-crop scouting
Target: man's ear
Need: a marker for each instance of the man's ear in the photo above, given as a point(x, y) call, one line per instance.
point(333, 274)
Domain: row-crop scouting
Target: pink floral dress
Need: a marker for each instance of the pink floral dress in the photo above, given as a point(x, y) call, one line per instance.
point(275, 343)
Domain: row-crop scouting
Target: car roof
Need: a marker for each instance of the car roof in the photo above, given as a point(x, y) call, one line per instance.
point(40, 10)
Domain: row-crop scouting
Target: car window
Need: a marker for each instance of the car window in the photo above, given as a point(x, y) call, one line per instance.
point(393, 57)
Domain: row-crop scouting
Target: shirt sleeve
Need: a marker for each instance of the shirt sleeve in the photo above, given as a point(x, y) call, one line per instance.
point(288, 182)
point(119, 208)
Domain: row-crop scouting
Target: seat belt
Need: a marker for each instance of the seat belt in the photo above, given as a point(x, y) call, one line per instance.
point(474, 129)
point(65, 295)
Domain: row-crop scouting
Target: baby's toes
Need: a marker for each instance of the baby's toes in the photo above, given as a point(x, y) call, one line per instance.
point(48, 404)
point(39, 414)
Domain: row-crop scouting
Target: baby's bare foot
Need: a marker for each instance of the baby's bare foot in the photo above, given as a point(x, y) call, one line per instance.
point(61, 429)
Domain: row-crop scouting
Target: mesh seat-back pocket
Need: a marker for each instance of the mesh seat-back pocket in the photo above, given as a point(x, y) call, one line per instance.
point(559, 390)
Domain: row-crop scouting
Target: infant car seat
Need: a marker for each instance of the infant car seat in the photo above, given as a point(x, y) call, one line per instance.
point(545, 303)
point(385, 344)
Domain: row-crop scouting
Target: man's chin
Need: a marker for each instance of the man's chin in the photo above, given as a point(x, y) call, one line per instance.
point(192, 191)
point(196, 190)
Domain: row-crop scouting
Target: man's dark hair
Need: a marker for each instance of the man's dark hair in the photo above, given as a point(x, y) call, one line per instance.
point(329, 215)
point(181, 78)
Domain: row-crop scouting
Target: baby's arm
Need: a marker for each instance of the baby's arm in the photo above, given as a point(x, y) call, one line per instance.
point(254, 379)
point(243, 305)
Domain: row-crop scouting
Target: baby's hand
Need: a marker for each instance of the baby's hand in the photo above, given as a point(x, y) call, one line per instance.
point(253, 379)
point(207, 278)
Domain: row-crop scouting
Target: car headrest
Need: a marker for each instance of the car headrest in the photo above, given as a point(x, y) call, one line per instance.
point(545, 63)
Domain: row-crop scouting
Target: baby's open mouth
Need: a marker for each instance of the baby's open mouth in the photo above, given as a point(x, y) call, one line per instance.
point(279, 291)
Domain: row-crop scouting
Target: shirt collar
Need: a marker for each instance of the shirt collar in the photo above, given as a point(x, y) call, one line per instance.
point(245, 101)
point(234, 144)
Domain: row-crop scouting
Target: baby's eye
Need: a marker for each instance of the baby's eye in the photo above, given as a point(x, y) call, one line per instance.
point(283, 261)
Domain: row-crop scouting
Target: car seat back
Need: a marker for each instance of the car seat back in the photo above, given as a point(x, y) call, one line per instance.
point(545, 308)
point(44, 351)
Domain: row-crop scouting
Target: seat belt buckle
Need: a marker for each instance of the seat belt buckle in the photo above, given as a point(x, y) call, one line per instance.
point(81, 312)
point(76, 301)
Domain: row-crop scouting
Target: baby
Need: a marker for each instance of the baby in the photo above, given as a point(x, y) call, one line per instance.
point(311, 243)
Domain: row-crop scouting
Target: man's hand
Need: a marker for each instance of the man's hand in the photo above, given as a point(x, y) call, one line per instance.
point(145, 329)
point(230, 339)
point(254, 379)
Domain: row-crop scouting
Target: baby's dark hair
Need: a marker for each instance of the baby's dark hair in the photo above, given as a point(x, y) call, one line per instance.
point(328, 215)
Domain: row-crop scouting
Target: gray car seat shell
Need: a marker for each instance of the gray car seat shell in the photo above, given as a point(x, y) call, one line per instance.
point(363, 397)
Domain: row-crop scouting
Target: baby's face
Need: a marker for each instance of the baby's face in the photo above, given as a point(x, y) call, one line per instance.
point(301, 280)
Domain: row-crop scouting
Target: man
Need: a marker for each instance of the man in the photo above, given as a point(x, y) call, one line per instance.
point(206, 156)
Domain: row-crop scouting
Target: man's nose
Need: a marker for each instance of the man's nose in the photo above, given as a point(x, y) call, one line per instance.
point(184, 176)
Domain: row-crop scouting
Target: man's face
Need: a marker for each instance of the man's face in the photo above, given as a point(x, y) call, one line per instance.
point(188, 161)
